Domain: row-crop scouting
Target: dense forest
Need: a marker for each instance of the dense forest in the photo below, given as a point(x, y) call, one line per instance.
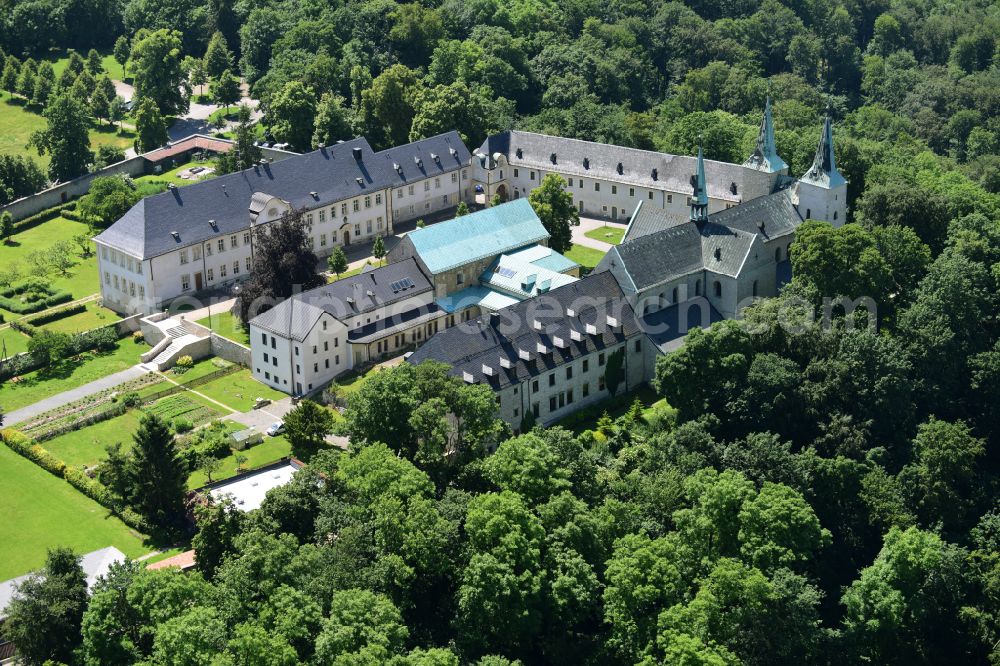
point(819, 486)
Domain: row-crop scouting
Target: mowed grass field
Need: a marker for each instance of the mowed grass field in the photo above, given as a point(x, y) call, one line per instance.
point(41, 511)
point(609, 234)
point(18, 122)
point(227, 325)
point(587, 257)
point(238, 391)
point(81, 280)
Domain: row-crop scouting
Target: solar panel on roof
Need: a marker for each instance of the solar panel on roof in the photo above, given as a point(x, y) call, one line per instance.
point(506, 272)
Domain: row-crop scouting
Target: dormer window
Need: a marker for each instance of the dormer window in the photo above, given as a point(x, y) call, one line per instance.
point(718, 254)
point(655, 174)
point(519, 153)
point(586, 162)
point(732, 188)
point(621, 169)
point(553, 158)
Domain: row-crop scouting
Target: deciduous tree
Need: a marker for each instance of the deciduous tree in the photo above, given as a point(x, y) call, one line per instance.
point(554, 207)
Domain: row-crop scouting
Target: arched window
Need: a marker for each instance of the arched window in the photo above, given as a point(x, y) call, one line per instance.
point(718, 289)
point(835, 215)
point(697, 287)
point(809, 213)
point(673, 295)
point(755, 288)
point(777, 253)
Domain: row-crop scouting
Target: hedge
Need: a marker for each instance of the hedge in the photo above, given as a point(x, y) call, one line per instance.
point(44, 216)
point(55, 315)
point(17, 307)
point(24, 327)
point(23, 445)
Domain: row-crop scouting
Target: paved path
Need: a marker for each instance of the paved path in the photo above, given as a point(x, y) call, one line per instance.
point(265, 416)
point(589, 224)
point(96, 386)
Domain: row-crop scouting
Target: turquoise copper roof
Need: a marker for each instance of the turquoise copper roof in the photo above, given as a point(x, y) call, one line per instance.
point(544, 257)
point(486, 233)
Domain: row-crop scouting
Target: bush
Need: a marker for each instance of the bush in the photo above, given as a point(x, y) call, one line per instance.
point(55, 315)
point(185, 362)
point(131, 399)
point(31, 296)
point(138, 336)
point(182, 426)
point(23, 445)
point(44, 216)
point(23, 326)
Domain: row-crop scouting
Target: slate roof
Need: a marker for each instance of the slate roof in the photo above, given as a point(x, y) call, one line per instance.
point(673, 172)
point(823, 171)
point(668, 326)
point(416, 160)
point(775, 211)
point(679, 249)
point(295, 317)
point(486, 233)
point(332, 173)
point(510, 334)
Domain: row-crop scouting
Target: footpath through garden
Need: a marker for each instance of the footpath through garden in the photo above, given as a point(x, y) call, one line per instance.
point(72, 395)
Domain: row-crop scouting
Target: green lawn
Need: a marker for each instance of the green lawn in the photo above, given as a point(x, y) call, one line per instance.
point(238, 390)
point(60, 60)
point(172, 176)
point(41, 511)
point(94, 317)
point(609, 234)
point(350, 273)
point(13, 341)
point(37, 385)
point(227, 325)
point(271, 449)
point(585, 256)
point(81, 280)
point(200, 368)
point(85, 447)
point(18, 122)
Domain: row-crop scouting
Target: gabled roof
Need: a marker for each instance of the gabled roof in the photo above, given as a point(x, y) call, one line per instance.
point(314, 179)
point(659, 248)
point(295, 317)
point(510, 336)
point(486, 233)
point(672, 172)
point(332, 173)
point(775, 212)
point(428, 157)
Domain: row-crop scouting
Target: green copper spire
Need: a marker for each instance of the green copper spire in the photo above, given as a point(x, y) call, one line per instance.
point(765, 155)
point(824, 167)
point(699, 200)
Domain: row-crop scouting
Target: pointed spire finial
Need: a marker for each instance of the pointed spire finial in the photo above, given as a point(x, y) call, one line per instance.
point(765, 154)
point(699, 200)
point(824, 166)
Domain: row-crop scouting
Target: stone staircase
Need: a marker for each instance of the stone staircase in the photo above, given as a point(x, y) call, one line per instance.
point(179, 338)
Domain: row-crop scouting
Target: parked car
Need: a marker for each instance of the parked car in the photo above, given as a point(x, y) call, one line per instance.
point(275, 429)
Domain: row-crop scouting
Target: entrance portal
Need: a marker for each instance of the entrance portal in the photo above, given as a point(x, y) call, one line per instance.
point(502, 192)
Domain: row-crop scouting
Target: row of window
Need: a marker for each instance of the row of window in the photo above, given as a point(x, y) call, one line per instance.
point(123, 285)
point(121, 259)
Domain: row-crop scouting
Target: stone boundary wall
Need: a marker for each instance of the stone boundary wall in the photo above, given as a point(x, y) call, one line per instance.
point(230, 351)
point(132, 166)
point(64, 192)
